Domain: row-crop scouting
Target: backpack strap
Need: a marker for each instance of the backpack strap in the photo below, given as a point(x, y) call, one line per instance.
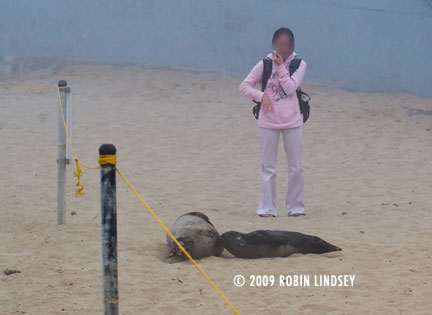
point(294, 64)
point(267, 70)
point(268, 63)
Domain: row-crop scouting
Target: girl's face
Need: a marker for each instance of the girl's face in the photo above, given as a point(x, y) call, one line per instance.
point(283, 46)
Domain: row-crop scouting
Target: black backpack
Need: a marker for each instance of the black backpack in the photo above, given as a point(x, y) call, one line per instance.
point(303, 97)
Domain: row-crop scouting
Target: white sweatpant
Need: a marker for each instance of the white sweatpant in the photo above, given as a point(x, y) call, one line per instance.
point(292, 138)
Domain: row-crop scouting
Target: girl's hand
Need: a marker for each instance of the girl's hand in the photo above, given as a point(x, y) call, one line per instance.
point(276, 58)
point(266, 102)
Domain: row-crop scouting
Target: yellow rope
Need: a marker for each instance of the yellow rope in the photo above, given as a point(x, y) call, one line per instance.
point(80, 190)
point(78, 173)
point(111, 159)
point(176, 241)
point(27, 88)
point(107, 159)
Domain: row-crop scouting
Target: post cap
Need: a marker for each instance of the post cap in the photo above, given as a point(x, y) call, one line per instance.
point(62, 83)
point(107, 149)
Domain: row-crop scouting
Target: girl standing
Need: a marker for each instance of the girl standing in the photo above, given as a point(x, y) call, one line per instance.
point(279, 113)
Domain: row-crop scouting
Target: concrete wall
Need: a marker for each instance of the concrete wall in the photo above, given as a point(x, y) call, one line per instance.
point(373, 45)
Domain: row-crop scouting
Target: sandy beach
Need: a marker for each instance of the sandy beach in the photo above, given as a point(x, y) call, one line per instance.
point(188, 142)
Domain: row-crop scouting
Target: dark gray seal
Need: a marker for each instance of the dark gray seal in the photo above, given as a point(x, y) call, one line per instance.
point(196, 234)
point(276, 243)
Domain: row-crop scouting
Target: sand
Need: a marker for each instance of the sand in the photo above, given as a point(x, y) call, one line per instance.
point(188, 142)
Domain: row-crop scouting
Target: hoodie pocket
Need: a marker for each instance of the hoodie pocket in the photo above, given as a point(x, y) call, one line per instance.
point(285, 112)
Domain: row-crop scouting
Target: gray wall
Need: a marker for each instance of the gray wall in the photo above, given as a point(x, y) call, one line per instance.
point(372, 45)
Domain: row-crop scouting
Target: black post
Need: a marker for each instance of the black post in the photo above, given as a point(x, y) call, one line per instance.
point(109, 228)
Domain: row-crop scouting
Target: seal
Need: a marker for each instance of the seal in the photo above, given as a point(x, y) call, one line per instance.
point(274, 243)
point(196, 234)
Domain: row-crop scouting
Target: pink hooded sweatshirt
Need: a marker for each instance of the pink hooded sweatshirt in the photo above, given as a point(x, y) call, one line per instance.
point(281, 89)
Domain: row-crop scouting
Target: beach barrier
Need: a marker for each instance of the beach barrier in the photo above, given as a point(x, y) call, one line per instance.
point(108, 165)
point(65, 150)
point(62, 159)
point(107, 161)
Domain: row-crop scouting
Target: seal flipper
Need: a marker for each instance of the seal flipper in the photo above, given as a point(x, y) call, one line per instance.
point(306, 244)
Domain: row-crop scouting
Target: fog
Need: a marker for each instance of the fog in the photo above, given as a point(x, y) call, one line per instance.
point(356, 45)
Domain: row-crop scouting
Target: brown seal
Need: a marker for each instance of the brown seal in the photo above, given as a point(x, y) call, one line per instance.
point(196, 234)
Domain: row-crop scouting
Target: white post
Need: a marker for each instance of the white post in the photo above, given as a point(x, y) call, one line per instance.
point(69, 125)
point(61, 157)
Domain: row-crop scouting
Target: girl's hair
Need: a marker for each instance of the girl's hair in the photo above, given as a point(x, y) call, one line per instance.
point(283, 31)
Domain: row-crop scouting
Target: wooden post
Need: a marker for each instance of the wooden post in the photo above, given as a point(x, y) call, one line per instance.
point(109, 229)
point(61, 158)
